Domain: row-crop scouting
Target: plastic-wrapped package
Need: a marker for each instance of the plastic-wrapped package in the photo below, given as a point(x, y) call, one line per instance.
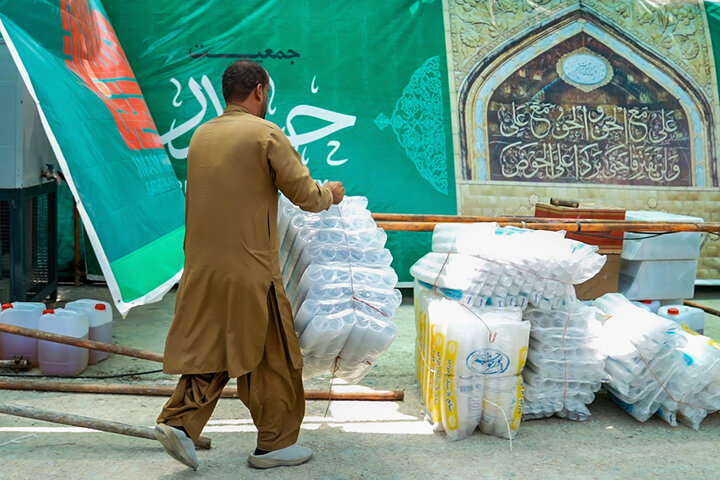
point(478, 281)
point(355, 217)
point(502, 406)
point(564, 367)
point(376, 301)
point(469, 366)
point(481, 268)
point(701, 384)
point(546, 253)
point(336, 254)
point(382, 278)
point(644, 362)
point(660, 279)
point(342, 291)
point(369, 339)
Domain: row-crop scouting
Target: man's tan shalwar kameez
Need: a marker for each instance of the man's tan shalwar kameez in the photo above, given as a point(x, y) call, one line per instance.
point(232, 318)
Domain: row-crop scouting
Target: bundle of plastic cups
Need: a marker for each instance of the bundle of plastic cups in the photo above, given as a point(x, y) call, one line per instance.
point(341, 287)
point(564, 367)
point(469, 361)
point(483, 264)
point(644, 362)
point(701, 383)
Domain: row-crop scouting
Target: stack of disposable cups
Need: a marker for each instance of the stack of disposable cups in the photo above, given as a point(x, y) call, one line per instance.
point(701, 384)
point(341, 287)
point(483, 264)
point(471, 359)
point(644, 361)
point(564, 367)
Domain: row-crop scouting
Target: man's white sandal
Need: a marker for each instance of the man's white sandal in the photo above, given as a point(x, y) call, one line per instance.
point(285, 457)
point(177, 444)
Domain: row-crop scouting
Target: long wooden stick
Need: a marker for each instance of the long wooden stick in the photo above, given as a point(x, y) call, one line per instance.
point(580, 226)
point(166, 391)
point(625, 225)
point(403, 217)
point(392, 395)
point(710, 310)
point(87, 422)
point(79, 342)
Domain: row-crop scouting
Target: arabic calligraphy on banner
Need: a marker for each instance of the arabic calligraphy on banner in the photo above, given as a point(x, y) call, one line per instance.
point(258, 57)
point(538, 141)
point(209, 106)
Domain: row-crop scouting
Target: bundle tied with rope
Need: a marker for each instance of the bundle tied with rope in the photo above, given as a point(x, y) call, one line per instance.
point(655, 366)
point(565, 367)
point(338, 278)
point(468, 359)
point(483, 268)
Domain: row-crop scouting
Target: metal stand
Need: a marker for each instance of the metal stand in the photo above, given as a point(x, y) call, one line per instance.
point(32, 241)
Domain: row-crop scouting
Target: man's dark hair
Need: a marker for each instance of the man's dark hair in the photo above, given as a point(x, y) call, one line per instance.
point(240, 78)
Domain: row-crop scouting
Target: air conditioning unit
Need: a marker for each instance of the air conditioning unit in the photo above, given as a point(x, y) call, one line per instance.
point(28, 203)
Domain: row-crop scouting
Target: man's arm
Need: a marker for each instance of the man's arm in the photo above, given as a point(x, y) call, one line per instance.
point(293, 178)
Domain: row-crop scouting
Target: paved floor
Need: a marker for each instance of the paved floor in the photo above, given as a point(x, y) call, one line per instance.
point(354, 440)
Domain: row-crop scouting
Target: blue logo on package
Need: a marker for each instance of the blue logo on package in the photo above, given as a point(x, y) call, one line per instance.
point(688, 359)
point(488, 361)
point(450, 293)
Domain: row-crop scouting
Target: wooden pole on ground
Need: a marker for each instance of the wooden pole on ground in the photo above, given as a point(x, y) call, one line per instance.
point(87, 422)
point(391, 395)
point(166, 391)
point(79, 342)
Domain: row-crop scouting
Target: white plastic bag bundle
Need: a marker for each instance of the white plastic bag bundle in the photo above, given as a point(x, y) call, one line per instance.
point(701, 383)
point(484, 264)
point(296, 227)
point(549, 254)
point(340, 285)
point(482, 268)
point(644, 363)
point(471, 361)
point(478, 281)
point(564, 367)
point(381, 278)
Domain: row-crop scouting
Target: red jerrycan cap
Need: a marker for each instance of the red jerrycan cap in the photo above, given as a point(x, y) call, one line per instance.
point(100, 306)
point(673, 311)
point(5, 306)
point(646, 302)
point(49, 310)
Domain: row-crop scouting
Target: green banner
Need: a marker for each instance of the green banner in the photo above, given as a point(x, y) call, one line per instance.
point(105, 140)
point(360, 88)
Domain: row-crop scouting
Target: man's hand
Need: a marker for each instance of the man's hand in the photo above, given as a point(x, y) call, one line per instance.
point(337, 189)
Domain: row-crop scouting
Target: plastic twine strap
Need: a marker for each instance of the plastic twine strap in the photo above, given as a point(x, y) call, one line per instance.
point(491, 335)
point(354, 297)
point(662, 385)
point(565, 363)
point(332, 380)
point(352, 289)
point(365, 302)
point(507, 422)
point(442, 268)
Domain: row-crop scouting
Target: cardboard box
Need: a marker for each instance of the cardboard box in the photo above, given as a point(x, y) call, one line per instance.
point(606, 281)
point(608, 241)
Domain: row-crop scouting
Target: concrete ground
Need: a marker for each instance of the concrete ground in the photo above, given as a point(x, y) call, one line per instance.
point(355, 440)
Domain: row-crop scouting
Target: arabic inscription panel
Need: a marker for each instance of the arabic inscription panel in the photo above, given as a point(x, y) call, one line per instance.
point(581, 113)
